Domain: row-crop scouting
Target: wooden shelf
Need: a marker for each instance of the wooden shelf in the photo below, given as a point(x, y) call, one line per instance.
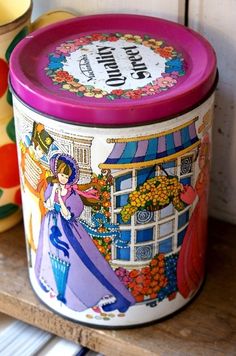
point(205, 327)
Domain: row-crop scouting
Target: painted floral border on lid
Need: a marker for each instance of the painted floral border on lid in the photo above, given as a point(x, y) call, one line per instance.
point(115, 66)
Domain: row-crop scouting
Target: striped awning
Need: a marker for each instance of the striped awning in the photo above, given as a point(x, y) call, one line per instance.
point(153, 149)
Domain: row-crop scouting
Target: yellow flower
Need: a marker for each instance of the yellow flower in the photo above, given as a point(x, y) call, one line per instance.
point(66, 86)
point(89, 94)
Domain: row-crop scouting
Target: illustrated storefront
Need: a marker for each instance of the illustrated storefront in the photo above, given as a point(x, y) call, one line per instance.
point(134, 161)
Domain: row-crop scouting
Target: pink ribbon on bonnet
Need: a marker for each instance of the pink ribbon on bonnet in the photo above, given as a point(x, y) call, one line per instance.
point(92, 193)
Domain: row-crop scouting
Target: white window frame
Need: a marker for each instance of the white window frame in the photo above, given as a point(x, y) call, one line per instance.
point(132, 227)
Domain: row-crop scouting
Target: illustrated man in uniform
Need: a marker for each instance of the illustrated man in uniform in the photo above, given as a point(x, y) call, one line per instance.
point(34, 174)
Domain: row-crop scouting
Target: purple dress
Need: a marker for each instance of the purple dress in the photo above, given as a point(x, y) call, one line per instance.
point(68, 262)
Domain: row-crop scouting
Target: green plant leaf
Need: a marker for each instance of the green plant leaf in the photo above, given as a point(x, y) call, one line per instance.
point(11, 130)
point(7, 210)
point(20, 35)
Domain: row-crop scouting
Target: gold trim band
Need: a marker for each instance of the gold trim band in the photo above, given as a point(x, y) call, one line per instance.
point(148, 137)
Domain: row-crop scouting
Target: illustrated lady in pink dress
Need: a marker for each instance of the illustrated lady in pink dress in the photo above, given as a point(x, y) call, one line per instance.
point(191, 262)
point(67, 261)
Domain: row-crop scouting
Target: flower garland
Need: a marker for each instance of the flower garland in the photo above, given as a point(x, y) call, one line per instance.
point(174, 67)
point(156, 281)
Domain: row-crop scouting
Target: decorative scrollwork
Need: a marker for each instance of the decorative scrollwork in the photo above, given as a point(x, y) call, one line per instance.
point(144, 253)
point(186, 165)
point(144, 216)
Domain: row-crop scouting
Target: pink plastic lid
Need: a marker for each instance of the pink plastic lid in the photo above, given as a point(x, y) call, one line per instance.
point(113, 70)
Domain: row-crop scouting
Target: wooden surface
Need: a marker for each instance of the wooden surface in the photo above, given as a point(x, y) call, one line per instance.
point(206, 327)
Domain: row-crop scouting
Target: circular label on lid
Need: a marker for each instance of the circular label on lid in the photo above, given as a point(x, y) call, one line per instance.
point(115, 66)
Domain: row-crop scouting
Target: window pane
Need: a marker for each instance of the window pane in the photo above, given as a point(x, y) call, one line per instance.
point(144, 174)
point(186, 180)
point(166, 228)
point(144, 235)
point(125, 235)
point(181, 237)
point(143, 253)
point(165, 246)
point(123, 253)
point(183, 219)
point(121, 200)
point(169, 167)
point(144, 217)
point(186, 165)
point(120, 221)
point(167, 211)
point(124, 182)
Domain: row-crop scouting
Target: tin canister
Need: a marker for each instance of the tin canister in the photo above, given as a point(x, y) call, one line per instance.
point(14, 24)
point(113, 118)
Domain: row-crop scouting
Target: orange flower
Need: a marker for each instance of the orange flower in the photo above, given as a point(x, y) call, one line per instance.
point(139, 298)
point(135, 293)
point(153, 262)
point(138, 288)
point(165, 52)
point(101, 229)
point(134, 273)
point(145, 290)
point(107, 204)
point(145, 270)
point(94, 180)
point(162, 284)
point(132, 285)
point(106, 195)
point(63, 76)
point(153, 295)
point(146, 282)
point(107, 214)
point(153, 284)
point(156, 289)
point(154, 271)
point(157, 277)
point(139, 279)
point(101, 249)
point(161, 263)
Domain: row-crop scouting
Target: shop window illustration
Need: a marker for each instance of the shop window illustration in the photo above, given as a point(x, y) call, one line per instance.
point(150, 173)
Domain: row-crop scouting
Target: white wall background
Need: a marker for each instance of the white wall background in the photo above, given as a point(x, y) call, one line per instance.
point(168, 9)
point(215, 19)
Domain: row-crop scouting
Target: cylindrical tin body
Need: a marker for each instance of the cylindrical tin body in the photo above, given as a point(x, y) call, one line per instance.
point(115, 202)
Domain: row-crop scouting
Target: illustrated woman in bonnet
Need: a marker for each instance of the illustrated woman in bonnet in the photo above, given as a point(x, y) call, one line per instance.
point(67, 261)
